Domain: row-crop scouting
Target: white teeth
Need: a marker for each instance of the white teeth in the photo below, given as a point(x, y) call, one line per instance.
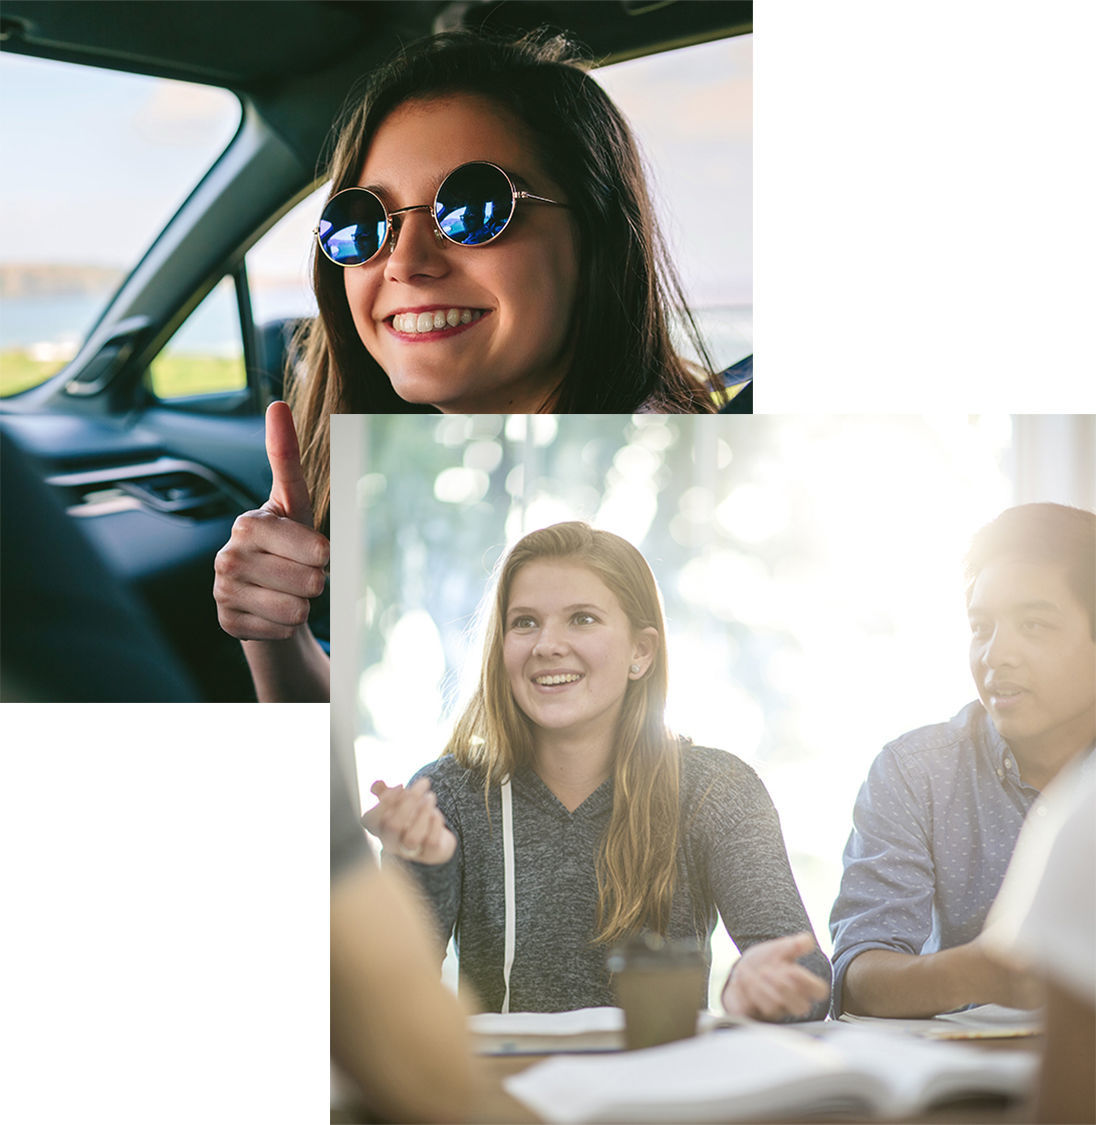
point(550, 681)
point(413, 323)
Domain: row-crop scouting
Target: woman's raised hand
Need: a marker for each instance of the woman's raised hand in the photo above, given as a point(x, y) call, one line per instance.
point(274, 562)
point(767, 983)
point(409, 823)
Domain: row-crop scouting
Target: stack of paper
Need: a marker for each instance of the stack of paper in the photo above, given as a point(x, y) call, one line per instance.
point(576, 1032)
point(987, 1021)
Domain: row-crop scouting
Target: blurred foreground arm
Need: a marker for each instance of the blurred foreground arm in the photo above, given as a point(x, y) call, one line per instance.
point(1067, 1081)
point(1044, 922)
point(395, 1028)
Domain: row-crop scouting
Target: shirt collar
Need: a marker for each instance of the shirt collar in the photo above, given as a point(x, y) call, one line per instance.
point(1002, 757)
point(528, 782)
point(1000, 753)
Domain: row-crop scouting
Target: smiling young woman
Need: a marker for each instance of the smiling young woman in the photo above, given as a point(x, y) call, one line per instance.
point(509, 293)
point(500, 254)
point(564, 815)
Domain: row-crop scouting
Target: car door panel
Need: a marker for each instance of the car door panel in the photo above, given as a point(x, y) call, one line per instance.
point(157, 500)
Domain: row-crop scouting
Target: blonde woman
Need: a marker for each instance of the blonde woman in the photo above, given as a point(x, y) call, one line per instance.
point(564, 816)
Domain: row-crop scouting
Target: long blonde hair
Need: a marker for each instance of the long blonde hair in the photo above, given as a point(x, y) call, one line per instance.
point(637, 861)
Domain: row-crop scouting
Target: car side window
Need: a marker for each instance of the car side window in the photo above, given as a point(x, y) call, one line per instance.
point(279, 264)
point(280, 284)
point(206, 354)
point(692, 113)
point(105, 154)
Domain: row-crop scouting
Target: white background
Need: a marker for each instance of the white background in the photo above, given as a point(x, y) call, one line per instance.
point(924, 241)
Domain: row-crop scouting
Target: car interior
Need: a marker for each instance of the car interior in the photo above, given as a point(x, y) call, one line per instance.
point(154, 485)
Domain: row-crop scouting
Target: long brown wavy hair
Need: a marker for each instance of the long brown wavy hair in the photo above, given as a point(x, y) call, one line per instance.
point(623, 354)
point(636, 863)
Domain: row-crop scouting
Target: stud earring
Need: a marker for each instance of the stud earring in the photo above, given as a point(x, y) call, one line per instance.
point(634, 669)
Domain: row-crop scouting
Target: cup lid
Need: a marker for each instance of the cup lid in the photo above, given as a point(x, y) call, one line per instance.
point(652, 951)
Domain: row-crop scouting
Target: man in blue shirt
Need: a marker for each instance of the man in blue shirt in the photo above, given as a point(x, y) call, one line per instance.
point(936, 821)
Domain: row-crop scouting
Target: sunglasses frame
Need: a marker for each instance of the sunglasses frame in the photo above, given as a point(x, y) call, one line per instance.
point(391, 232)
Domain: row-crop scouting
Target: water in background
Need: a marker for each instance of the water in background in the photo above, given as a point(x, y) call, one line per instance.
point(59, 324)
point(59, 321)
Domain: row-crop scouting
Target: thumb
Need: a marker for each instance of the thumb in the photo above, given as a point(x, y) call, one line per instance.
point(289, 492)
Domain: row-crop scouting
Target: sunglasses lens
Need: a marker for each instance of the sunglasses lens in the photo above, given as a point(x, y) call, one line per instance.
point(352, 227)
point(474, 204)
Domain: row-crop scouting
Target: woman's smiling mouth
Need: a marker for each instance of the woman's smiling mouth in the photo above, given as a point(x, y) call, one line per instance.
point(433, 324)
point(556, 679)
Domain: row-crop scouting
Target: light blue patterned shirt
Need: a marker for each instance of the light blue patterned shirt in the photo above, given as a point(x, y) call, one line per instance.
point(933, 830)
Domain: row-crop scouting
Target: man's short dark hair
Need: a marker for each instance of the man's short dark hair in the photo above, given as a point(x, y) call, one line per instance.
point(1042, 533)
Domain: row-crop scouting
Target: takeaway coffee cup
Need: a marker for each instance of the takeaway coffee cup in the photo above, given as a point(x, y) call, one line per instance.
point(661, 987)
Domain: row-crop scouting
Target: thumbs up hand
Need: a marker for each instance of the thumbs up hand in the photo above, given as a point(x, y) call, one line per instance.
point(274, 562)
point(289, 493)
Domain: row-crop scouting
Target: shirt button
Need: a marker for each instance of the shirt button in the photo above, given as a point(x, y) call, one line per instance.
point(1000, 773)
point(1008, 764)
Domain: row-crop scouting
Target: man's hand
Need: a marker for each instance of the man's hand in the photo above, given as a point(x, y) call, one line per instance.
point(1006, 984)
point(884, 982)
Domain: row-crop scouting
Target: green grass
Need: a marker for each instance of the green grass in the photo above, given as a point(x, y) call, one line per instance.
point(170, 375)
point(18, 371)
point(180, 374)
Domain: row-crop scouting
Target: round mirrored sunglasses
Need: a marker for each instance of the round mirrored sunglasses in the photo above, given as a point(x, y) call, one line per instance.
point(473, 206)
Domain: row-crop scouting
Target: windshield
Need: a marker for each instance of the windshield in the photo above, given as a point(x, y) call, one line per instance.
point(96, 163)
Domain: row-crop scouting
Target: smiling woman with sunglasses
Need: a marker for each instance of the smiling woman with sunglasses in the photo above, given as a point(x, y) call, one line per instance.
point(488, 246)
point(496, 185)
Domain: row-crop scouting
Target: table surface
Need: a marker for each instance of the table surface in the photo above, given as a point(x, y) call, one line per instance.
point(494, 1106)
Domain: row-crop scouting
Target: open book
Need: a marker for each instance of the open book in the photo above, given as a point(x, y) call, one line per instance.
point(749, 1073)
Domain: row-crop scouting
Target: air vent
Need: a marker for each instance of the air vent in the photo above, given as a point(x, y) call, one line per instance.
point(170, 488)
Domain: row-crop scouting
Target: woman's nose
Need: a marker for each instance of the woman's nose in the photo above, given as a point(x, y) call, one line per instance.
point(415, 247)
point(549, 641)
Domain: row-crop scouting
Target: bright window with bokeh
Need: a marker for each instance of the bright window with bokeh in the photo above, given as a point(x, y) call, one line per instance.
point(810, 569)
point(96, 162)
